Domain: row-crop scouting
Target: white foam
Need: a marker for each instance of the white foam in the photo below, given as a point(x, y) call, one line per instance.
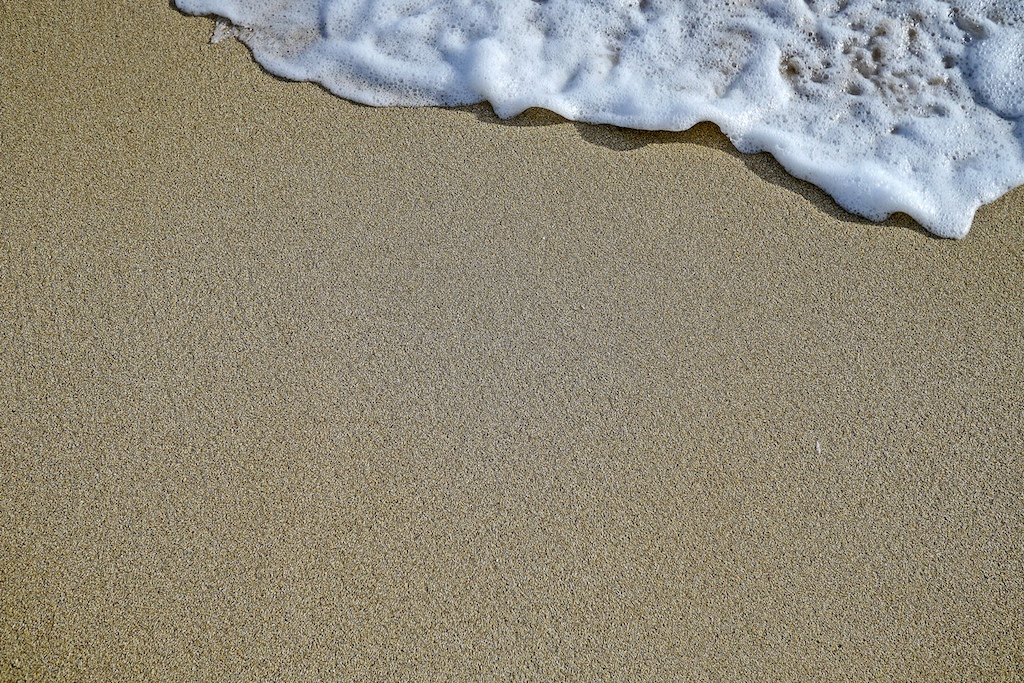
point(888, 105)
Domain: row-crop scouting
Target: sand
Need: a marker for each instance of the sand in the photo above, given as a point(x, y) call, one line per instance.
point(296, 389)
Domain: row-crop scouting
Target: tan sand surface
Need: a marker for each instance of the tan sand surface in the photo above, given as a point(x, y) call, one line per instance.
point(295, 389)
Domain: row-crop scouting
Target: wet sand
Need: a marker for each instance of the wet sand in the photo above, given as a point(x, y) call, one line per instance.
point(302, 390)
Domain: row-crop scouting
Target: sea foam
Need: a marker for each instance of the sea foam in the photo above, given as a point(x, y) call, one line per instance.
point(888, 105)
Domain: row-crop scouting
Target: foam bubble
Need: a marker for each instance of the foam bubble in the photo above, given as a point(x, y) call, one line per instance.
point(888, 105)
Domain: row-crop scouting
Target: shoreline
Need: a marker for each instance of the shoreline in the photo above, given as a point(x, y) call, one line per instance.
point(299, 386)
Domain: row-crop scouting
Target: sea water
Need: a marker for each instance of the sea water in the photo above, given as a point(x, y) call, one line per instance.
point(888, 105)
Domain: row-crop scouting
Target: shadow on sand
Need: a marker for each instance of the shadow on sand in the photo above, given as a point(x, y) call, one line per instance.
point(708, 135)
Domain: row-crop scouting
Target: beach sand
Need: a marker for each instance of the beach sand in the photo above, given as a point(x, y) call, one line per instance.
point(296, 389)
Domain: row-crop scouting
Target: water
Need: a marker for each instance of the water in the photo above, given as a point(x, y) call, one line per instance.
point(899, 105)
